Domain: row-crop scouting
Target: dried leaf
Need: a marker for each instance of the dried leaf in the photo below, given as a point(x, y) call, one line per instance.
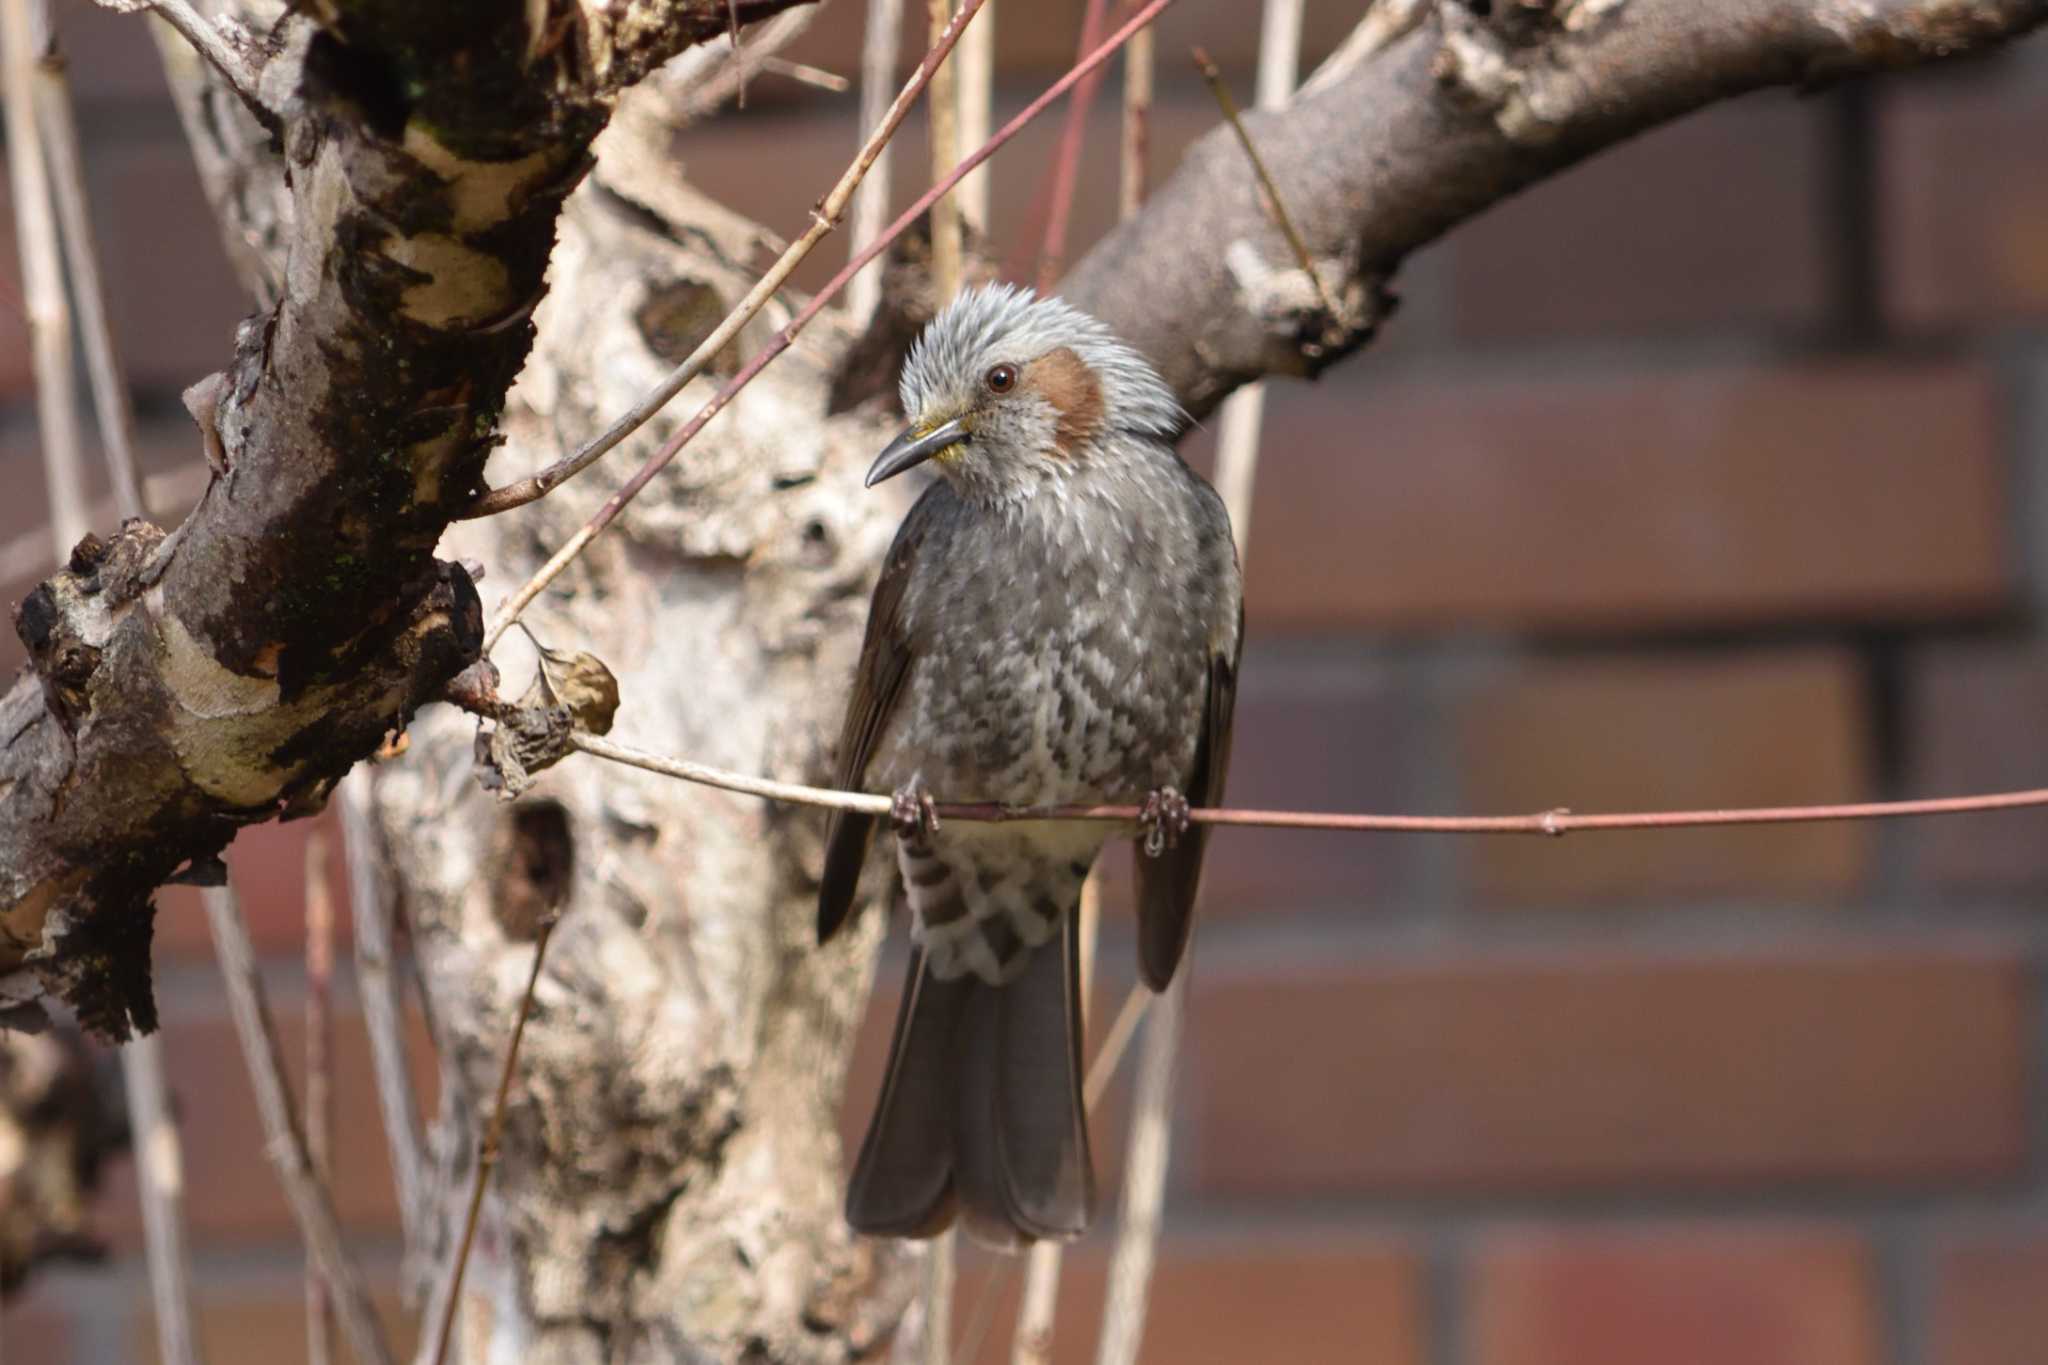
point(526, 742)
point(580, 681)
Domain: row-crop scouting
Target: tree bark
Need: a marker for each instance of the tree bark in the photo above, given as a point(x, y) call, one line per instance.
point(669, 1184)
point(184, 686)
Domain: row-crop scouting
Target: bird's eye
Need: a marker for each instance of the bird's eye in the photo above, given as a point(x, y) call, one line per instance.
point(1002, 379)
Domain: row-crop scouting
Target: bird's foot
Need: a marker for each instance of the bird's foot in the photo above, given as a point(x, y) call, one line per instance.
point(912, 813)
point(1164, 818)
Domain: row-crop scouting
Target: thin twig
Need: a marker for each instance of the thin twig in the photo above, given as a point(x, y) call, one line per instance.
point(377, 984)
point(42, 276)
point(871, 200)
point(207, 40)
point(824, 218)
point(732, 37)
point(1555, 822)
point(976, 68)
point(1067, 160)
point(1237, 429)
point(1109, 1053)
point(1031, 1344)
point(1382, 23)
point(1038, 1308)
point(32, 553)
point(982, 1312)
point(1144, 1195)
point(941, 1265)
point(1237, 459)
point(81, 254)
point(160, 1172)
point(805, 74)
point(26, 34)
point(284, 1140)
point(1031, 1341)
point(1279, 55)
point(1137, 126)
point(487, 1147)
point(781, 341)
point(727, 78)
point(319, 1078)
point(944, 109)
point(1280, 217)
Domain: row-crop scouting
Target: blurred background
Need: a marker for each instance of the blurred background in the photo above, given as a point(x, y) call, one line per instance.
point(1714, 472)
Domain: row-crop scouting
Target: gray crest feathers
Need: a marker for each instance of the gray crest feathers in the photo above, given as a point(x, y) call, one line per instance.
point(994, 323)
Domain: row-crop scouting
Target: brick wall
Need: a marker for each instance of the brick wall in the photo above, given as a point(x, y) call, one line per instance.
point(1714, 472)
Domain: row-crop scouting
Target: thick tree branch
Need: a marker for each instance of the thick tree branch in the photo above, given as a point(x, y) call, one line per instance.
point(1453, 116)
point(183, 686)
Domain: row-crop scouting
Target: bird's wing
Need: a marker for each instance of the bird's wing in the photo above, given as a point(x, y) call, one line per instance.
point(1166, 884)
point(885, 656)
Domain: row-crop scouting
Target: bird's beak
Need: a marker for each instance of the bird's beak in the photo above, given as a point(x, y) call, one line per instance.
point(911, 449)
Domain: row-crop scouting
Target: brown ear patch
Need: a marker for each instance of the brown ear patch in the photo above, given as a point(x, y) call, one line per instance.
point(1064, 380)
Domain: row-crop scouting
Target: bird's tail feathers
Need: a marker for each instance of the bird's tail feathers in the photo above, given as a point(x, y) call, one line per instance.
point(981, 1109)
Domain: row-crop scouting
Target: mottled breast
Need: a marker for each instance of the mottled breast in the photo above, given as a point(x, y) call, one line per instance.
point(1061, 648)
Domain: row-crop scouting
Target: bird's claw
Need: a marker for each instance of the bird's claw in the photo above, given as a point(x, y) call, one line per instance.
point(912, 813)
point(1164, 818)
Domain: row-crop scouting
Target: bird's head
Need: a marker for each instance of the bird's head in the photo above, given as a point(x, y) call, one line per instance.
point(1007, 393)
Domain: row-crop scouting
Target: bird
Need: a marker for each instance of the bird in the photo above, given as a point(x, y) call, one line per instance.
point(1058, 621)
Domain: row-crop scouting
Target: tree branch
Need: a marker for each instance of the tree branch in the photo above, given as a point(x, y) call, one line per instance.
point(284, 1139)
point(207, 40)
point(1455, 115)
point(184, 686)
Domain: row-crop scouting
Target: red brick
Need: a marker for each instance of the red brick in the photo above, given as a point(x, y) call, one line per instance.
point(113, 66)
point(1965, 203)
point(234, 1197)
point(1037, 41)
point(809, 146)
point(36, 1328)
point(173, 299)
point(1325, 736)
point(16, 376)
point(1279, 1297)
point(1647, 733)
point(1991, 1301)
point(160, 448)
point(1636, 498)
point(268, 863)
point(810, 149)
point(1676, 1295)
point(265, 1323)
point(1976, 727)
point(27, 555)
point(1314, 732)
point(1610, 1072)
point(1711, 222)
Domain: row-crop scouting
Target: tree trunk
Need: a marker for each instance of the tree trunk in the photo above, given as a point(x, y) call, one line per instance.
point(671, 1176)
